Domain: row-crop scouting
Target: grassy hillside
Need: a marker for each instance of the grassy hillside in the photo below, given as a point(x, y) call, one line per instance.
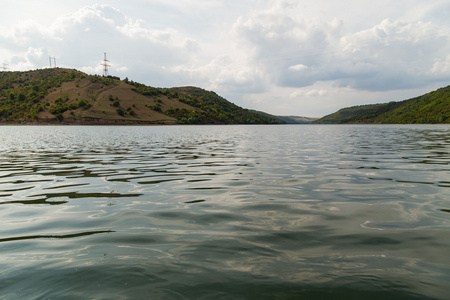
point(430, 108)
point(63, 96)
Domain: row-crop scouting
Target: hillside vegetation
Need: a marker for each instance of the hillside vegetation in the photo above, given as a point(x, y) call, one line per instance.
point(431, 108)
point(64, 96)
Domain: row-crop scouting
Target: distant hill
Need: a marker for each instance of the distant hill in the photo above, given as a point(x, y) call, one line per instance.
point(289, 119)
point(65, 96)
point(430, 108)
point(296, 119)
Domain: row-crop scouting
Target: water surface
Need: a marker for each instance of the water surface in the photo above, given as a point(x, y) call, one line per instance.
point(224, 212)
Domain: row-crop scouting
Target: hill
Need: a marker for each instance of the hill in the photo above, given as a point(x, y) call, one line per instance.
point(65, 96)
point(288, 119)
point(296, 119)
point(430, 108)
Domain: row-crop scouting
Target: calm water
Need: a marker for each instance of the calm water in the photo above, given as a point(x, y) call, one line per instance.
point(225, 212)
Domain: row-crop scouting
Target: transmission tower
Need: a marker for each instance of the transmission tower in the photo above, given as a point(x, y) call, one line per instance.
point(5, 67)
point(52, 59)
point(105, 65)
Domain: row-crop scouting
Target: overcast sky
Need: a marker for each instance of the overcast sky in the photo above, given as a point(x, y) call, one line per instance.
point(286, 57)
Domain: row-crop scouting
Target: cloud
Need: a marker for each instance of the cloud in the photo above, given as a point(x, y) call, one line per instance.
point(315, 93)
point(79, 39)
point(224, 74)
point(308, 93)
point(296, 51)
point(396, 55)
point(438, 13)
point(298, 67)
point(29, 60)
point(441, 67)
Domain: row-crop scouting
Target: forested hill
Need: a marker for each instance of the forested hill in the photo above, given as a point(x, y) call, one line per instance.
point(65, 96)
point(430, 108)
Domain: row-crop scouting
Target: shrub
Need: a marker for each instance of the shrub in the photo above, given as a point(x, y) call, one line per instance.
point(82, 103)
point(57, 109)
point(59, 117)
point(120, 112)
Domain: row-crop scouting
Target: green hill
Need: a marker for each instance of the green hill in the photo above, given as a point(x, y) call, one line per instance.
point(430, 108)
point(64, 96)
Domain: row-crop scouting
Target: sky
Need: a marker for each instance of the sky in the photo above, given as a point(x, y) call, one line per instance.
point(284, 57)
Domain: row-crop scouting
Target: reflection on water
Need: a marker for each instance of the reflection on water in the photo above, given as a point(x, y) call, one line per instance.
point(66, 236)
point(228, 212)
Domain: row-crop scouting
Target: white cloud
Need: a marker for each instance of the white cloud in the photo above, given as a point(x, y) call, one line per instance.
point(315, 93)
point(79, 39)
point(308, 92)
point(391, 55)
point(441, 67)
point(224, 74)
point(298, 67)
point(34, 54)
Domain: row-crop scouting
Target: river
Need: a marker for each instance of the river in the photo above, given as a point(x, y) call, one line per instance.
point(225, 212)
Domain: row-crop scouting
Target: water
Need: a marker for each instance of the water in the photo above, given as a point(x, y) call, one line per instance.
point(225, 212)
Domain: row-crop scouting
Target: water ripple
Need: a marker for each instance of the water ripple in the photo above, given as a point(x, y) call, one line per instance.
point(53, 236)
point(232, 212)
